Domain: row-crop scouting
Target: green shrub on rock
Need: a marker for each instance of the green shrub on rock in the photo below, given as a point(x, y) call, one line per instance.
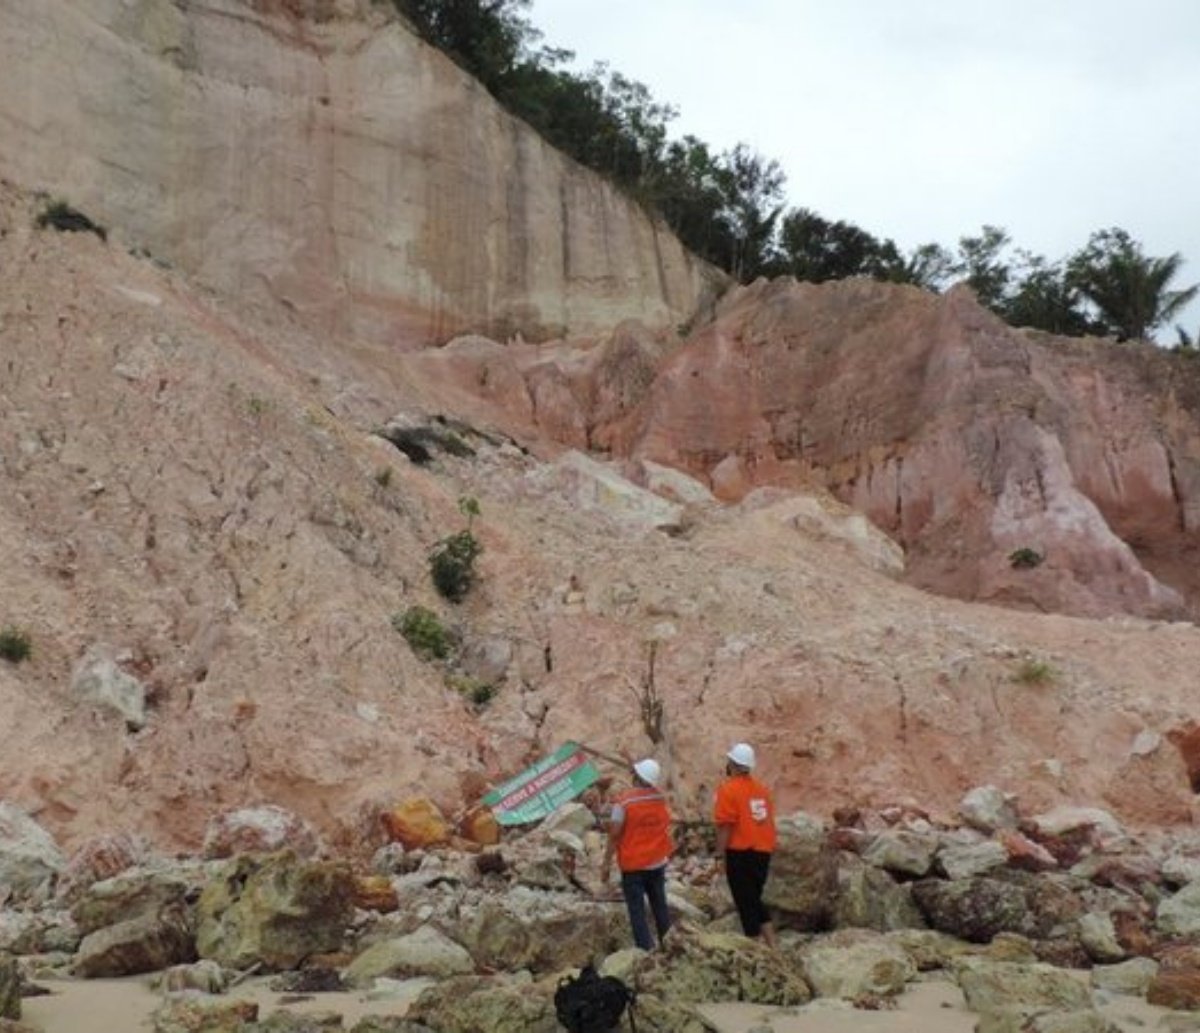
point(452, 565)
point(1025, 559)
point(424, 632)
point(452, 561)
point(15, 645)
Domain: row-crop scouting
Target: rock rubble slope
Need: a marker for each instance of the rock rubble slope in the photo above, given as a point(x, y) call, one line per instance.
point(196, 492)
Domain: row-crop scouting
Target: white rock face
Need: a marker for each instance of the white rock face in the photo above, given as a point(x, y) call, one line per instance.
point(331, 160)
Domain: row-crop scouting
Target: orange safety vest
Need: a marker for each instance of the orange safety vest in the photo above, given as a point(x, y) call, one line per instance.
point(745, 805)
point(645, 840)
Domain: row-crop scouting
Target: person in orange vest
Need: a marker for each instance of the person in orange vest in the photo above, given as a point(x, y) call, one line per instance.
point(639, 836)
point(745, 817)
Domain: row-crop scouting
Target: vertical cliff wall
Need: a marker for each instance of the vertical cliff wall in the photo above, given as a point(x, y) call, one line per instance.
point(317, 152)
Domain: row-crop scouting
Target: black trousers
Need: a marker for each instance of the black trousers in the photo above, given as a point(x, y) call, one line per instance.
point(746, 871)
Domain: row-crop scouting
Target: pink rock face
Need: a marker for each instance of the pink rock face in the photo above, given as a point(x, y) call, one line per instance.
point(963, 438)
point(260, 830)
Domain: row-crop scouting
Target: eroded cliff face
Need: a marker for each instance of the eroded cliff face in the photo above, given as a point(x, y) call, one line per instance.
point(194, 500)
point(320, 154)
point(964, 439)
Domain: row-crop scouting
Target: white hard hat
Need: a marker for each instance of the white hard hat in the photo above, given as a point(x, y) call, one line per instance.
point(742, 755)
point(648, 771)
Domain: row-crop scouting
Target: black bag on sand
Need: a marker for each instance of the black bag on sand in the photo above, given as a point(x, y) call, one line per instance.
point(592, 1003)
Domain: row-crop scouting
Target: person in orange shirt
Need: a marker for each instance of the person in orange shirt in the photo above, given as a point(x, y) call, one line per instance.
point(745, 818)
point(639, 836)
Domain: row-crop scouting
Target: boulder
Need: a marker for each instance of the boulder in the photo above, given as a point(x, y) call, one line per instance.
point(99, 859)
point(417, 823)
point(1026, 855)
point(573, 817)
point(29, 858)
point(987, 809)
point(38, 932)
point(803, 882)
point(136, 892)
point(1062, 821)
point(1086, 1020)
point(547, 866)
point(1131, 977)
point(1180, 869)
point(259, 830)
point(486, 659)
point(598, 488)
point(903, 852)
point(874, 968)
point(10, 988)
point(199, 1013)
point(544, 932)
point(973, 909)
point(425, 952)
point(393, 859)
point(147, 942)
point(274, 910)
point(207, 977)
point(375, 893)
point(996, 987)
point(694, 965)
point(1175, 988)
point(1098, 936)
point(1055, 904)
point(99, 679)
point(479, 825)
point(654, 1013)
point(965, 860)
point(470, 1004)
point(1179, 914)
point(868, 898)
point(977, 909)
point(928, 949)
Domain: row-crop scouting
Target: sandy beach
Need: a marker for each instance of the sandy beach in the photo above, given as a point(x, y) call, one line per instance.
point(934, 1006)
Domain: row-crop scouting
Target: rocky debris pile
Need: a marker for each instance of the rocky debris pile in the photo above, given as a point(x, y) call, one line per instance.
point(472, 937)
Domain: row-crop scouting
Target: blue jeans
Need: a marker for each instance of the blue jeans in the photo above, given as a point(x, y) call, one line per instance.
point(638, 886)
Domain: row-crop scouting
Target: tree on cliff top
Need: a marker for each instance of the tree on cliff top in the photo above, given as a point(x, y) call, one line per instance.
point(1129, 289)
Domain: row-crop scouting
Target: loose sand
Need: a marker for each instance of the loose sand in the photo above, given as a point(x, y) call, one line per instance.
point(125, 1006)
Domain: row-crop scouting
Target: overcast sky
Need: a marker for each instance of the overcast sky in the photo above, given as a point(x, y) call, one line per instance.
point(921, 120)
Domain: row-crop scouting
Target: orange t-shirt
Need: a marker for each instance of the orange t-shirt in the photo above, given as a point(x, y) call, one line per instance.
point(745, 804)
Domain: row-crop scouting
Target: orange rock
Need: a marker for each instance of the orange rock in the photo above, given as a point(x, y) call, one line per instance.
point(1024, 853)
point(480, 826)
point(417, 823)
point(375, 893)
point(1178, 989)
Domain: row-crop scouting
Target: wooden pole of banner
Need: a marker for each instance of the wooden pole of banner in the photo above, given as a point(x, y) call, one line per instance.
point(622, 762)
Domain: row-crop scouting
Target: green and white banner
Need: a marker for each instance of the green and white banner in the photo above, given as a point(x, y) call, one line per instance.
point(542, 789)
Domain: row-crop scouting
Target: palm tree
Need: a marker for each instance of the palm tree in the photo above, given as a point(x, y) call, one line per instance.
point(1128, 287)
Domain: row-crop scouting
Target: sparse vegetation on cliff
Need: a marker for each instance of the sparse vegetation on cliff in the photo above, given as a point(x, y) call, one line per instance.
point(1025, 558)
point(452, 561)
point(423, 632)
point(1034, 672)
point(15, 645)
point(61, 216)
